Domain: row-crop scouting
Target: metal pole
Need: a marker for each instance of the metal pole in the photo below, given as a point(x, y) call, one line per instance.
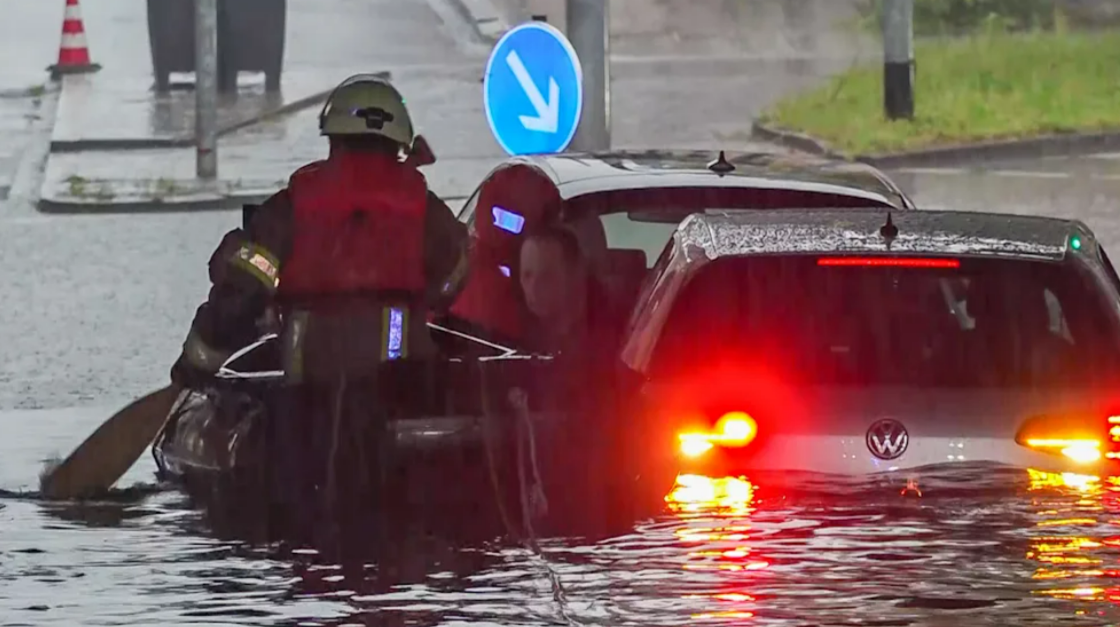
point(589, 32)
point(206, 88)
point(898, 59)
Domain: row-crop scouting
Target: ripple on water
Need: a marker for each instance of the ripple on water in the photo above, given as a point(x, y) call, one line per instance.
point(1007, 548)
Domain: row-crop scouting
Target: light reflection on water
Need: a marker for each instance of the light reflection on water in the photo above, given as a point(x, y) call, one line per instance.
point(981, 546)
point(1084, 560)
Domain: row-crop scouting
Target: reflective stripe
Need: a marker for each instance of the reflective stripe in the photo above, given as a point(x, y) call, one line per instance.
point(201, 355)
point(259, 262)
point(394, 331)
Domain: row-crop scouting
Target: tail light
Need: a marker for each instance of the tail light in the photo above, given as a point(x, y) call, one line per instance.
point(733, 430)
point(1078, 440)
point(1113, 451)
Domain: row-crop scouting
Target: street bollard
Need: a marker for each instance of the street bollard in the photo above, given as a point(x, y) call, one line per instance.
point(206, 89)
point(898, 59)
point(589, 32)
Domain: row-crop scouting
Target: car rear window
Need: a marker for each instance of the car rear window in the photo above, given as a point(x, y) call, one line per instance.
point(969, 323)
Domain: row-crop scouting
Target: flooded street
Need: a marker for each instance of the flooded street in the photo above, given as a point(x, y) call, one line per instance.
point(981, 546)
point(95, 309)
point(1011, 548)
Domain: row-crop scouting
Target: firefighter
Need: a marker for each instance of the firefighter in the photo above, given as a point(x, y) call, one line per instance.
point(350, 254)
point(354, 243)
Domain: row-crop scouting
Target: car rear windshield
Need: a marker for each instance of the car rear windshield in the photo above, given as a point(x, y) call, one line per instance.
point(969, 323)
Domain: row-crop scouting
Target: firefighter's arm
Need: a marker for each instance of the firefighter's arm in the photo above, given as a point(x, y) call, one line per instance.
point(244, 273)
point(444, 240)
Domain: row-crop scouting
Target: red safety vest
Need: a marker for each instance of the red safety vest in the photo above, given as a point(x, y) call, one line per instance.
point(358, 227)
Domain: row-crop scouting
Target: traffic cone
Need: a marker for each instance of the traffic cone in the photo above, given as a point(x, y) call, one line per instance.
point(73, 53)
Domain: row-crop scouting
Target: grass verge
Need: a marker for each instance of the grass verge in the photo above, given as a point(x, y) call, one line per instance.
point(995, 86)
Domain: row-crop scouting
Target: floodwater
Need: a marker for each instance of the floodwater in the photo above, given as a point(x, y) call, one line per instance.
point(979, 546)
point(966, 545)
point(95, 308)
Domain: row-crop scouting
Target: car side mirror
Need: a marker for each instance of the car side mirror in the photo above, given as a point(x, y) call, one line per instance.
point(421, 153)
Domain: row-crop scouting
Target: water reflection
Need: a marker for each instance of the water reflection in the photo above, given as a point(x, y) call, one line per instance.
point(983, 546)
point(718, 541)
point(1077, 548)
point(940, 549)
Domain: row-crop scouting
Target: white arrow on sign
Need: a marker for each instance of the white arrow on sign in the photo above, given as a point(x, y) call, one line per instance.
point(548, 113)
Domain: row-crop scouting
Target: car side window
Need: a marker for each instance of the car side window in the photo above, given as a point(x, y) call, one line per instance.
point(623, 232)
point(656, 284)
point(652, 309)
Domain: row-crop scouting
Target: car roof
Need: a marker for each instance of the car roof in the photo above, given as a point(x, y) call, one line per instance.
point(576, 174)
point(927, 232)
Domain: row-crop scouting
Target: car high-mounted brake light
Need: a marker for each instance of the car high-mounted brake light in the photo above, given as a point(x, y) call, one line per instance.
point(890, 262)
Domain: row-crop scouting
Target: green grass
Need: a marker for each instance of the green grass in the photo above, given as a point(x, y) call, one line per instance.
point(990, 87)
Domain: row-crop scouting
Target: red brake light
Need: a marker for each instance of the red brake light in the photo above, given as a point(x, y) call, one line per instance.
point(1113, 440)
point(733, 430)
point(896, 262)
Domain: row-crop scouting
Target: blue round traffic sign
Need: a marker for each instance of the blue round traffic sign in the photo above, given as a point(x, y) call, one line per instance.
point(533, 90)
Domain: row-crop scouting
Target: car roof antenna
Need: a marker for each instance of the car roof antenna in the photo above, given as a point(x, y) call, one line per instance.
point(888, 231)
point(721, 165)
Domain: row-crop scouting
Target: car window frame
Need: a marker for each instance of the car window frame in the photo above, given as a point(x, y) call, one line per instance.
point(1108, 268)
point(666, 279)
point(466, 212)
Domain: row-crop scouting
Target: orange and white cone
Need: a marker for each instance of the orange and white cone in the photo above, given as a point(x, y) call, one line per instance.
point(73, 53)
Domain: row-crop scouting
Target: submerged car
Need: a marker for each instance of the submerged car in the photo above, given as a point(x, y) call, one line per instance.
point(623, 207)
point(862, 341)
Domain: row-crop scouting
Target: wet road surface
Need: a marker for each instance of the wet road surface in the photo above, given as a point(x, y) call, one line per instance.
point(95, 309)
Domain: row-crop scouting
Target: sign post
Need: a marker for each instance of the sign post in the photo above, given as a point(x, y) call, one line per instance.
point(898, 59)
point(533, 90)
point(589, 31)
point(206, 89)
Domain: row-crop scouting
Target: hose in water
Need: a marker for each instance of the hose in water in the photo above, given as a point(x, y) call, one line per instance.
point(528, 497)
point(488, 436)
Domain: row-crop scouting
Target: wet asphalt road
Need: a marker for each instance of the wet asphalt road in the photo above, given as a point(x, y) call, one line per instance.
point(94, 309)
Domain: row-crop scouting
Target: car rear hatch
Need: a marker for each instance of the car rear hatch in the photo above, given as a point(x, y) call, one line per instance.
point(849, 431)
point(862, 363)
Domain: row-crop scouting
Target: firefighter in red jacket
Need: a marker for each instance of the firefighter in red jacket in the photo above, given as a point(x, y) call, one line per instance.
point(350, 253)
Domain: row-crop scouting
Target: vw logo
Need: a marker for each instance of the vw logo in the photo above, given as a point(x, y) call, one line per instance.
point(887, 439)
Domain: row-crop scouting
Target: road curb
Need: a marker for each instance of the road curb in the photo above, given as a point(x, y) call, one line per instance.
point(148, 143)
point(139, 143)
point(207, 202)
point(485, 18)
point(1061, 145)
point(793, 140)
